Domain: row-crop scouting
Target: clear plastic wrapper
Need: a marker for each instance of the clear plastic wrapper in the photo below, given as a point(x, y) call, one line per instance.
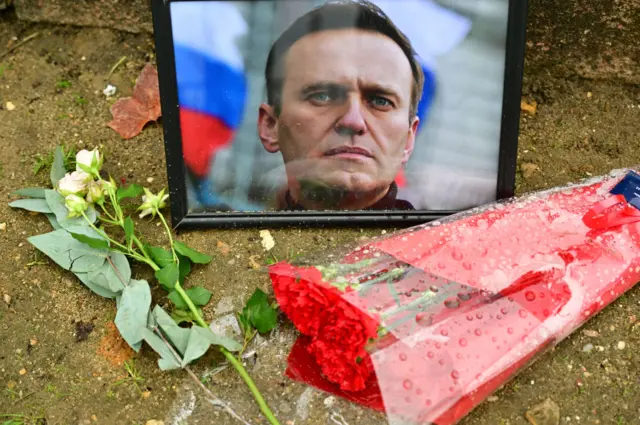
point(424, 324)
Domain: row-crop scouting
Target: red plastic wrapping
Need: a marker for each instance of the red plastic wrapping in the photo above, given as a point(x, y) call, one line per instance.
point(463, 305)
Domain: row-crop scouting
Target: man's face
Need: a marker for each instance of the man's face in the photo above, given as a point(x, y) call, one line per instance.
point(344, 119)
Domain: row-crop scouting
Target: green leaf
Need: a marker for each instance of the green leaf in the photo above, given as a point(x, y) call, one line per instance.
point(69, 253)
point(180, 316)
point(177, 300)
point(92, 242)
point(168, 276)
point(35, 205)
point(57, 168)
point(130, 191)
point(112, 273)
point(128, 231)
point(31, 192)
point(259, 312)
point(195, 256)
point(228, 343)
point(167, 360)
point(100, 290)
point(199, 296)
point(56, 203)
point(84, 168)
point(131, 318)
point(160, 256)
point(176, 335)
point(245, 326)
point(53, 221)
point(184, 266)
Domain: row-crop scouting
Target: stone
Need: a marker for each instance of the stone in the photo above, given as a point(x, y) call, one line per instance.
point(545, 413)
point(125, 15)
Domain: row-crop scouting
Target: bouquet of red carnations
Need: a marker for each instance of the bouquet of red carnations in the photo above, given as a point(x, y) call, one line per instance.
point(424, 324)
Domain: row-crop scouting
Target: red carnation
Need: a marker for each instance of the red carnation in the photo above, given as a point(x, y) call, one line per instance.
point(348, 327)
point(340, 366)
point(301, 297)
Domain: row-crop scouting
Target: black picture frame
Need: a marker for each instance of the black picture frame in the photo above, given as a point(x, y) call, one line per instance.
point(181, 218)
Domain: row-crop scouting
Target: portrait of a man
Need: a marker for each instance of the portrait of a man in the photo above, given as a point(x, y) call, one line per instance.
point(343, 87)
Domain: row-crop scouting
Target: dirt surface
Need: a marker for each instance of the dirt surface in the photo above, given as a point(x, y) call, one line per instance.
point(586, 123)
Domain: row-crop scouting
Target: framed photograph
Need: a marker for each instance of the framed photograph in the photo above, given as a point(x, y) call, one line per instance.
point(338, 112)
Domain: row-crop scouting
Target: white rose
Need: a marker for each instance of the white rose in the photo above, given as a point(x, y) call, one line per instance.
point(95, 193)
point(76, 205)
point(90, 159)
point(74, 183)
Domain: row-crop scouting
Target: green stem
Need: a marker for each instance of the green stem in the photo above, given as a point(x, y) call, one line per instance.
point(112, 218)
point(166, 226)
point(141, 247)
point(264, 408)
point(246, 343)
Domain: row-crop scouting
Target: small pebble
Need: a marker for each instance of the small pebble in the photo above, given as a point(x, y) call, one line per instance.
point(621, 345)
point(23, 371)
point(587, 348)
point(329, 401)
point(492, 398)
point(109, 90)
point(7, 298)
point(3, 226)
point(10, 106)
point(154, 422)
point(150, 180)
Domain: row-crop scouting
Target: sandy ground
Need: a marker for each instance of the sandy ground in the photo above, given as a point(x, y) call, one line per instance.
point(582, 72)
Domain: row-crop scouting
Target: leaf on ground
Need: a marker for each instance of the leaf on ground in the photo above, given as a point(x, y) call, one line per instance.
point(168, 276)
point(184, 266)
point(56, 203)
point(160, 256)
point(177, 336)
point(180, 316)
point(57, 168)
point(31, 192)
point(195, 256)
point(133, 310)
point(69, 253)
point(259, 313)
point(167, 360)
point(53, 221)
point(529, 107)
point(35, 205)
point(102, 291)
point(131, 191)
point(198, 296)
point(131, 114)
point(114, 274)
point(88, 240)
point(228, 343)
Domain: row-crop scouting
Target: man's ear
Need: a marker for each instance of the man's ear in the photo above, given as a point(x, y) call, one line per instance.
point(411, 139)
point(268, 128)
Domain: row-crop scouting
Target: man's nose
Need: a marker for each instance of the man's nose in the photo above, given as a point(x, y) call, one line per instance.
point(352, 122)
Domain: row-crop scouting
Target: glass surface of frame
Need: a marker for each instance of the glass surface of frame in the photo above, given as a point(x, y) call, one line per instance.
point(280, 112)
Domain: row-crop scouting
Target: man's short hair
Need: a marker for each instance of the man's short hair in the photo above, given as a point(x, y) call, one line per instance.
point(341, 14)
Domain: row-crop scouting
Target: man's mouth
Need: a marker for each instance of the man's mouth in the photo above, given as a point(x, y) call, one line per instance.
point(349, 152)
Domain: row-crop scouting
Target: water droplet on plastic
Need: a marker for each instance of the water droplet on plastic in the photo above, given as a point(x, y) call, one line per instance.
point(509, 330)
point(403, 357)
point(407, 384)
point(469, 317)
point(478, 332)
point(541, 294)
point(530, 296)
point(455, 374)
point(437, 345)
point(464, 296)
point(452, 303)
point(504, 310)
point(441, 266)
point(424, 319)
point(466, 266)
point(441, 362)
point(433, 288)
point(430, 354)
point(427, 402)
point(545, 312)
point(498, 316)
point(494, 339)
point(418, 391)
point(444, 332)
point(463, 342)
point(479, 316)
point(456, 255)
point(451, 389)
point(523, 313)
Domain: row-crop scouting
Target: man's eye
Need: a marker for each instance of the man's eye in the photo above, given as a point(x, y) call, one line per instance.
point(380, 102)
point(320, 97)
